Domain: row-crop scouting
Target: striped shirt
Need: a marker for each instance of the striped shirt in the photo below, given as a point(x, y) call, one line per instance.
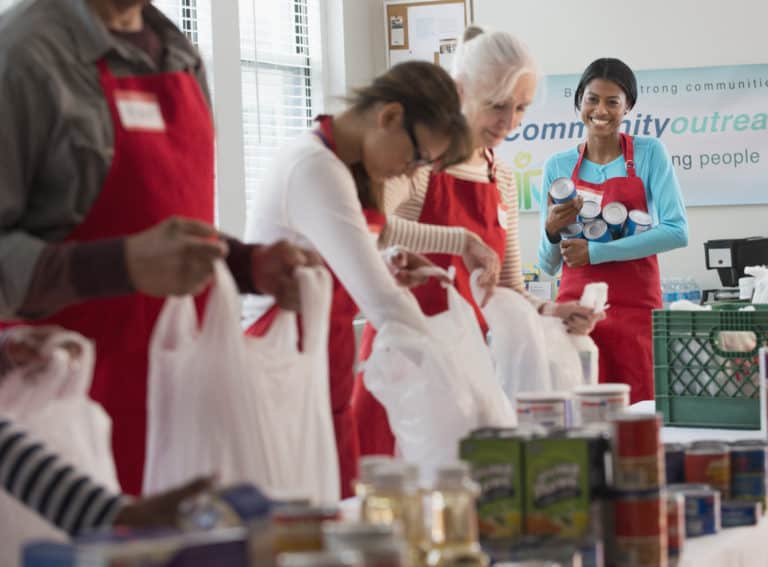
point(54, 489)
point(403, 202)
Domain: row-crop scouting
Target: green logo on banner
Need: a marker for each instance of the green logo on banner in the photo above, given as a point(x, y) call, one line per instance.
point(524, 177)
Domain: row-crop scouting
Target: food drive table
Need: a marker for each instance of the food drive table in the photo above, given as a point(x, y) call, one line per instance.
point(732, 547)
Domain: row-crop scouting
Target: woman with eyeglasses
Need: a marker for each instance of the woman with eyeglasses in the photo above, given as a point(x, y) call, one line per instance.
point(323, 191)
point(466, 215)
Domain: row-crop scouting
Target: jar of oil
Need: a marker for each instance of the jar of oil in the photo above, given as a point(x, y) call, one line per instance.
point(453, 533)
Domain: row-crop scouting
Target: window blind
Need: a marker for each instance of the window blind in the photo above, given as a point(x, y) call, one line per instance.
point(281, 78)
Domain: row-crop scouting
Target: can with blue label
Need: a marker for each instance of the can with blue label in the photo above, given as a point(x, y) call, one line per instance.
point(590, 211)
point(572, 232)
point(637, 221)
point(674, 461)
point(702, 508)
point(615, 216)
point(597, 231)
point(737, 514)
point(562, 190)
point(748, 471)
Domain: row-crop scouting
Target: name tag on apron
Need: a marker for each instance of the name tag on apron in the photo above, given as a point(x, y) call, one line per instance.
point(139, 111)
point(502, 214)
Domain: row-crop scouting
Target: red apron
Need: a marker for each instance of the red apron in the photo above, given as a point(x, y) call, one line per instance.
point(155, 173)
point(341, 352)
point(449, 201)
point(625, 338)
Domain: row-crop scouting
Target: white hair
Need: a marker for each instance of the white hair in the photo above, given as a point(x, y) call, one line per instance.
point(488, 64)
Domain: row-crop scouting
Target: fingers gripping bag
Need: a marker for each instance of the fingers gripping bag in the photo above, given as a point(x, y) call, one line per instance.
point(518, 342)
point(49, 400)
point(436, 386)
point(251, 409)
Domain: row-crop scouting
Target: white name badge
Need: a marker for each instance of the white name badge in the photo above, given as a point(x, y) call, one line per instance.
point(139, 111)
point(502, 213)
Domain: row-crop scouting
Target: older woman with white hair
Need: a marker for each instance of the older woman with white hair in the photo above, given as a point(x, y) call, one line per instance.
point(466, 216)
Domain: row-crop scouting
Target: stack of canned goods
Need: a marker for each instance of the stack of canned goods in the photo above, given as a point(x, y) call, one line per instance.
point(640, 514)
point(723, 485)
point(595, 222)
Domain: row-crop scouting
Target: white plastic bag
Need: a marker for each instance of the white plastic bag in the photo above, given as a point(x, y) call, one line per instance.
point(564, 361)
point(436, 387)
point(761, 282)
point(249, 409)
point(595, 297)
point(518, 342)
point(51, 403)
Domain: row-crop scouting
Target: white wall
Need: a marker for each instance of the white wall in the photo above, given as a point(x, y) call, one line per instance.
point(567, 35)
point(364, 41)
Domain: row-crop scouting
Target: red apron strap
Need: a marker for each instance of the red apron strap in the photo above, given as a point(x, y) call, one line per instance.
point(577, 167)
point(490, 159)
point(628, 148)
point(326, 131)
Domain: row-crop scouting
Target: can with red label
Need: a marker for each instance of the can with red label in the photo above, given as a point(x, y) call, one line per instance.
point(638, 452)
point(640, 520)
point(709, 462)
point(675, 525)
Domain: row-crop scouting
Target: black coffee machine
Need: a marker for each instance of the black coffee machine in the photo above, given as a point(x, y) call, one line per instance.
point(729, 257)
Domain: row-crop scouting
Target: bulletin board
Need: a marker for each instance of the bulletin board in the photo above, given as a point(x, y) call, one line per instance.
point(425, 30)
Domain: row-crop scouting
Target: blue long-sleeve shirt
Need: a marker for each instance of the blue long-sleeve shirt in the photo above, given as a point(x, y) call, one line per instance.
point(662, 193)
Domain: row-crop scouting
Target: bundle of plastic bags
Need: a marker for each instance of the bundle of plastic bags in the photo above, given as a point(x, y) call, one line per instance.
point(248, 409)
point(535, 353)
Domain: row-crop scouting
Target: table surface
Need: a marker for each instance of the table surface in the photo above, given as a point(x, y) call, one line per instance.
point(737, 547)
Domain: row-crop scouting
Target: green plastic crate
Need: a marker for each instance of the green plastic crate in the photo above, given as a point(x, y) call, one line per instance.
point(699, 383)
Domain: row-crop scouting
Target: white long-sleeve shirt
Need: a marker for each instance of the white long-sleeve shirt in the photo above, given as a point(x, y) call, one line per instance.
point(309, 198)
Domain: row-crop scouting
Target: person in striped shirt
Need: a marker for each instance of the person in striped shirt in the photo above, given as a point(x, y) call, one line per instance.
point(54, 488)
point(466, 216)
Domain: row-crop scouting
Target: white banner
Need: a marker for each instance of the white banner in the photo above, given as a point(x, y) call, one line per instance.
point(713, 121)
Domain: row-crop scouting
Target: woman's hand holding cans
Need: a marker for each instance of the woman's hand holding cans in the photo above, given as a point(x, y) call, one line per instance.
point(562, 215)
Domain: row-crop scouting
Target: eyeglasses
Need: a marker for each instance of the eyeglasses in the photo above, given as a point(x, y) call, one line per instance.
point(418, 160)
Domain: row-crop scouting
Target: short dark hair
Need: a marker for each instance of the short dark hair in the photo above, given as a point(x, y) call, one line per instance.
point(614, 70)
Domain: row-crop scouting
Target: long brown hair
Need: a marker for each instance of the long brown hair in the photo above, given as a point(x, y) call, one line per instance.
point(429, 97)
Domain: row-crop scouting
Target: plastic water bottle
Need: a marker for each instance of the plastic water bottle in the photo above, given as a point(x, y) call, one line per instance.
point(668, 292)
point(693, 291)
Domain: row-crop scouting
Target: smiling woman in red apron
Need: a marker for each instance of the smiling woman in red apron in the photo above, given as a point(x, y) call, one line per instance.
point(107, 133)
point(610, 167)
point(466, 216)
point(315, 196)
